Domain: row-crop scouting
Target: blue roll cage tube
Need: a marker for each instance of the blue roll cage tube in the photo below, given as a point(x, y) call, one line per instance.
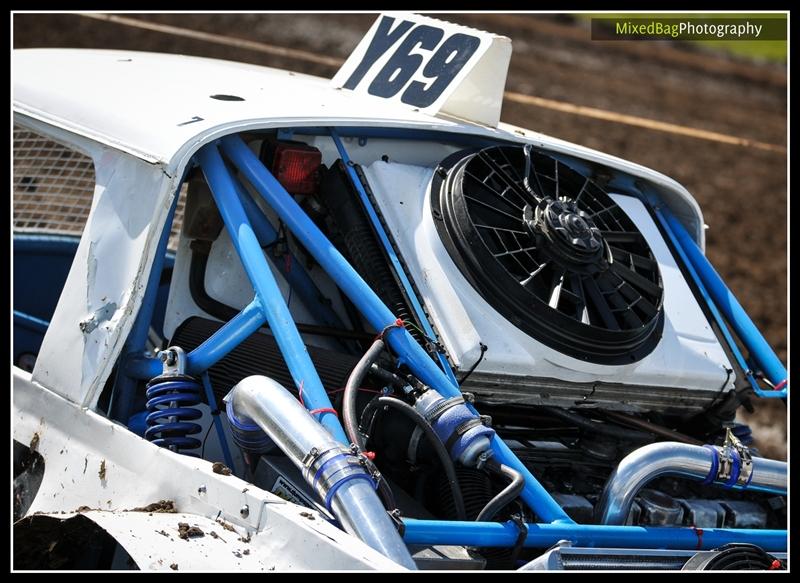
point(720, 298)
point(297, 277)
point(557, 525)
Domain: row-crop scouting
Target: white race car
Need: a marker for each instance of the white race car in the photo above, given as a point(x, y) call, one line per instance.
point(268, 321)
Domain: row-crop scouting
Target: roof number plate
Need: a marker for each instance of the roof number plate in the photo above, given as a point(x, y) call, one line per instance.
point(431, 65)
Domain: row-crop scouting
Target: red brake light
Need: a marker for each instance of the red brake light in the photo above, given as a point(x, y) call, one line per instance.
point(296, 167)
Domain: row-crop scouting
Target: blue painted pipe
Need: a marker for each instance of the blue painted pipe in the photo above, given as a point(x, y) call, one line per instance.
point(371, 306)
point(30, 322)
point(267, 291)
point(217, 420)
point(122, 398)
point(737, 354)
point(759, 349)
point(210, 352)
point(295, 275)
point(496, 534)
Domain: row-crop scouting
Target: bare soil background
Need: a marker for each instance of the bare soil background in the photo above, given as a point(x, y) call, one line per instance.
point(742, 191)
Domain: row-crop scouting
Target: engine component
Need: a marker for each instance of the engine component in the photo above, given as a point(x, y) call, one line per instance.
point(340, 476)
point(476, 490)
point(433, 438)
point(518, 369)
point(351, 389)
point(506, 496)
point(450, 557)
point(463, 433)
point(702, 513)
point(248, 436)
point(259, 354)
point(277, 474)
point(170, 400)
point(552, 252)
point(659, 509)
point(743, 514)
point(578, 508)
point(359, 242)
point(688, 461)
point(567, 558)
point(734, 557)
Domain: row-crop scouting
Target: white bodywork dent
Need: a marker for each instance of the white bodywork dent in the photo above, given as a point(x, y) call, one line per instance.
point(108, 276)
point(92, 463)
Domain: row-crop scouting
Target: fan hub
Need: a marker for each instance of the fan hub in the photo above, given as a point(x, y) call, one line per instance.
point(568, 234)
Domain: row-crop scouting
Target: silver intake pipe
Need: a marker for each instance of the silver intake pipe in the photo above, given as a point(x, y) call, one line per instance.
point(679, 459)
point(332, 469)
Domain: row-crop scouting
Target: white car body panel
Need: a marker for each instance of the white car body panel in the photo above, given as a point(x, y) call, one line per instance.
point(93, 462)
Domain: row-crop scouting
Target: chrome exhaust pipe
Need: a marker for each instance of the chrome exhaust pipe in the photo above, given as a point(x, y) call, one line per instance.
point(331, 469)
point(710, 464)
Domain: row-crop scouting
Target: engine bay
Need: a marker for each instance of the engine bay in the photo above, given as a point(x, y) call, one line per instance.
point(611, 353)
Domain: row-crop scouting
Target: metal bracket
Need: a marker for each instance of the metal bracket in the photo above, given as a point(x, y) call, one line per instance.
point(173, 359)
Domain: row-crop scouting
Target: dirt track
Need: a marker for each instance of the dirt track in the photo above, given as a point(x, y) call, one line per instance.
point(742, 191)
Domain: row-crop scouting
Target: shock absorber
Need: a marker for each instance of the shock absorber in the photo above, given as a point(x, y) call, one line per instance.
point(171, 397)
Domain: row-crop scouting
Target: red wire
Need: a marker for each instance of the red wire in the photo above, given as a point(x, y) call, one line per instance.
point(327, 409)
point(324, 410)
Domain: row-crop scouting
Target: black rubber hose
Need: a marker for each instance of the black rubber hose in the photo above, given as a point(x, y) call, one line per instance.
point(386, 494)
point(351, 390)
point(506, 495)
point(386, 377)
point(438, 446)
point(603, 428)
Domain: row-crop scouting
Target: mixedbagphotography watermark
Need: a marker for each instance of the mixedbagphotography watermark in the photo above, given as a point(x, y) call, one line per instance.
point(694, 29)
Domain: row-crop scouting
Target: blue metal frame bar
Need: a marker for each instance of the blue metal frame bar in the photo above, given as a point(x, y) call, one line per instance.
point(496, 534)
point(210, 352)
point(709, 302)
point(124, 393)
point(419, 312)
point(371, 306)
point(30, 322)
point(722, 297)
point(216, 419)
point(267, 291)
point(295, 275)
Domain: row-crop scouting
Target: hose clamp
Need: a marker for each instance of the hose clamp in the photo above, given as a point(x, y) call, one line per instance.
point(735, 463)
point(329, 469)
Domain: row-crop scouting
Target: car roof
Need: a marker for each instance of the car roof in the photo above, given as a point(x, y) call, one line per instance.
point(152, 105)
point(159, 108)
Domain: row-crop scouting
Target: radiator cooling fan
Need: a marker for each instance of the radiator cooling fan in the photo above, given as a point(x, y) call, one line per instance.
point(551, 251)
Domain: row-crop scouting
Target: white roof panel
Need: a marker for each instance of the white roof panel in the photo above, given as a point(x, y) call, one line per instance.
point(149, 103)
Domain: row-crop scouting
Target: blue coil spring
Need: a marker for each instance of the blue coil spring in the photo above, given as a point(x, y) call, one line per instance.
point(170, 400)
